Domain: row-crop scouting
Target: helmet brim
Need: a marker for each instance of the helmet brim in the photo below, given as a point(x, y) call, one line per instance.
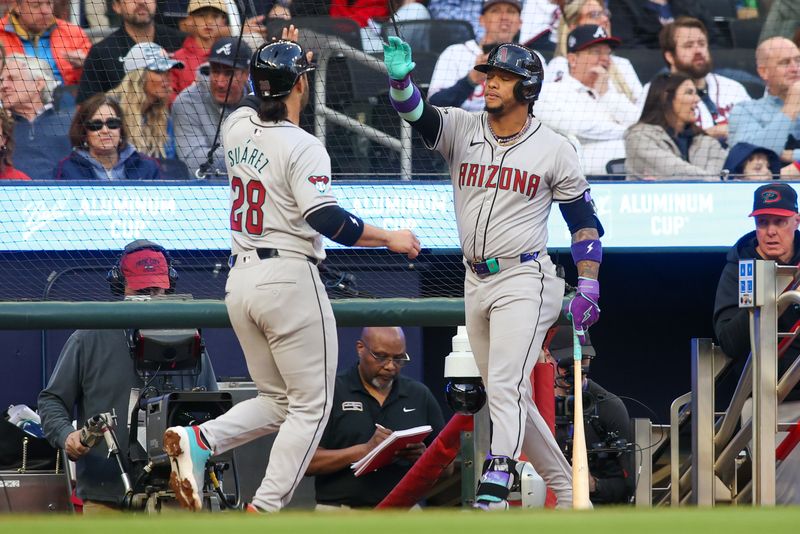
point(486, 67)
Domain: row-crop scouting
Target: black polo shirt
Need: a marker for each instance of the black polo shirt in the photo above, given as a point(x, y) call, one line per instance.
point(103, 69)
point(352, 421)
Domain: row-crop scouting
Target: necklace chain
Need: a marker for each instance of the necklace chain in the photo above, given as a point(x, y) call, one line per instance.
point(511, 138)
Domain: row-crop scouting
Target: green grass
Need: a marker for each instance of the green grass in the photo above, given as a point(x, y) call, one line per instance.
point(605, 521)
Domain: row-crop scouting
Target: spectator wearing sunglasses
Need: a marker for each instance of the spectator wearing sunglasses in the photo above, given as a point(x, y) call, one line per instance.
point(370, 401)
point(101, 150)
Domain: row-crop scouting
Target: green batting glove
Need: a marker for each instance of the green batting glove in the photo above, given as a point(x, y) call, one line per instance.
point(397, 58)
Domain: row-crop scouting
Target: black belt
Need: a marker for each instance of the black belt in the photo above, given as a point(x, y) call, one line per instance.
point(265, 254)
point(495, 265)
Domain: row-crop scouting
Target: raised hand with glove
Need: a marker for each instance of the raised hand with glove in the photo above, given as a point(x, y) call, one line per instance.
point(403, 94)
point(397, 58)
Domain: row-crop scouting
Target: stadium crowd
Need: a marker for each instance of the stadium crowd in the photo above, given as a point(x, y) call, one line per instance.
point(724, 104)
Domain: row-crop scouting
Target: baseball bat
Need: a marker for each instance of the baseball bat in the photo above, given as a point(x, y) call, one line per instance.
point(580, 460)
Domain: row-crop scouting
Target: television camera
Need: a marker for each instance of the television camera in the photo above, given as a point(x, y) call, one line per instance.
point(169, 356)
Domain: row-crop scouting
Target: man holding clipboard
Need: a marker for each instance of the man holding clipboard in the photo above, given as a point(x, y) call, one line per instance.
point(370, 401)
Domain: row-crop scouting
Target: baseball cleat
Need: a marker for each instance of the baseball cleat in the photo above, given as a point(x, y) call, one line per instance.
point(187, 458)
point(250, 508)
point(495, 484)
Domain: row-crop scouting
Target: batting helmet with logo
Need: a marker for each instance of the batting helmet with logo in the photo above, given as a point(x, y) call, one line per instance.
point(276, 67)
point(521, 61)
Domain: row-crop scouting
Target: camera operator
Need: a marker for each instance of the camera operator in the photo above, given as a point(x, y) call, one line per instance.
point(96, 373)
point(606, 423)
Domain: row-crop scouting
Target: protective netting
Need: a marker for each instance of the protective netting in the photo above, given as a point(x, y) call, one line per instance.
point(59, 241)
point(173, 65)
point(94, 91)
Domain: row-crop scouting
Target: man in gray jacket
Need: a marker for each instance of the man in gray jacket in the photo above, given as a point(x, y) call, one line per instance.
point(197, 109)
point(95, 373)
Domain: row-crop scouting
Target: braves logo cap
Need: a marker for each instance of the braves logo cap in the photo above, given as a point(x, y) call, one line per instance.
point(489, 3)
point(775, 199)
point(588, 35)
point(230, 51)
point(145, 268)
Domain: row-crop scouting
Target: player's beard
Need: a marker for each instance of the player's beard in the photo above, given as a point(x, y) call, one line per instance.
point(496, 110)
point(695, 72)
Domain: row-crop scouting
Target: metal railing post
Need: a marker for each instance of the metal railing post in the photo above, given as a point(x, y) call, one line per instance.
point(765, 377)
point(703, 477)
point(643, 437)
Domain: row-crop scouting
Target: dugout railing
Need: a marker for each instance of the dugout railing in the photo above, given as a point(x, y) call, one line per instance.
point(719, 439)
point(327, 48)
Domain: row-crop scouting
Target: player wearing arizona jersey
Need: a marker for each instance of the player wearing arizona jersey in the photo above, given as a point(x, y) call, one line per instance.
point(281, 206)
point(507, 169)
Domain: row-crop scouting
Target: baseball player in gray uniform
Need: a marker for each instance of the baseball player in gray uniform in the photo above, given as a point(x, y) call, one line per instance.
point(281, 206)
point(507, 169)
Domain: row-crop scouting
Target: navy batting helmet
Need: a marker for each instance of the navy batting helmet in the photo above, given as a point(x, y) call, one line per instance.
point(519, 60)
point(276, 67)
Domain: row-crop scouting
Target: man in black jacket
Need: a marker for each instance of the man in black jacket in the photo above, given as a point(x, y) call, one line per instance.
point(775, 238)
point(103, 69)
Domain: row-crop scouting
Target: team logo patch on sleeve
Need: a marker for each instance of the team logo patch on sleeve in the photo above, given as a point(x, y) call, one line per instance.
point(352, 406)
point(322, 183)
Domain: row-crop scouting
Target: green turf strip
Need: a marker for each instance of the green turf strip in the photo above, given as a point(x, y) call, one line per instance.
point(607, 521)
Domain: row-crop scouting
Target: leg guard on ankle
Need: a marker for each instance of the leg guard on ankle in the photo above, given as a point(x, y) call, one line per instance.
point(499, 475)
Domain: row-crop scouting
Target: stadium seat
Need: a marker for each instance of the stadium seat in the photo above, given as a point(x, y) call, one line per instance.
point(346, 29)
point(721, 9)
point(745, 32)
point(174, 169)
point(754, 88)
point(646, 62)
point(735, 58)
point(430, 36)
point(615, 169)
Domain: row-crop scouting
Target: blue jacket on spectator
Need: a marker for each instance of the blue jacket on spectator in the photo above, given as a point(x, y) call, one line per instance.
point(41, 143)
point(741, 152)
point(762, 122)
point(80, 165)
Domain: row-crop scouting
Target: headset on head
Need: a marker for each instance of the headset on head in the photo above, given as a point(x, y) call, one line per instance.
point(115, 277)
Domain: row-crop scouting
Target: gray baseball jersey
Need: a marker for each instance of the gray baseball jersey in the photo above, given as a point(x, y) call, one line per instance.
point(503, 194)
point(279, 174)
point(277, 305)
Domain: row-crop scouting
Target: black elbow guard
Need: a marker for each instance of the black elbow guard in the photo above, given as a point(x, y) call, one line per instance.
point(337, 224)
point(581, 213)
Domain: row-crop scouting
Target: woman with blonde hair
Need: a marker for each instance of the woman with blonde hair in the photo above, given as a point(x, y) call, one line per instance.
point(145, 96)
point(578, 13)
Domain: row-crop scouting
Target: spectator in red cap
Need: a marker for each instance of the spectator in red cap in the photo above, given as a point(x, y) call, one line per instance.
point(775, 238)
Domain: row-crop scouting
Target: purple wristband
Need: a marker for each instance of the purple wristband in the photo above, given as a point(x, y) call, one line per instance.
point(400, 84)
point(589, 287)
point(587, 250)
